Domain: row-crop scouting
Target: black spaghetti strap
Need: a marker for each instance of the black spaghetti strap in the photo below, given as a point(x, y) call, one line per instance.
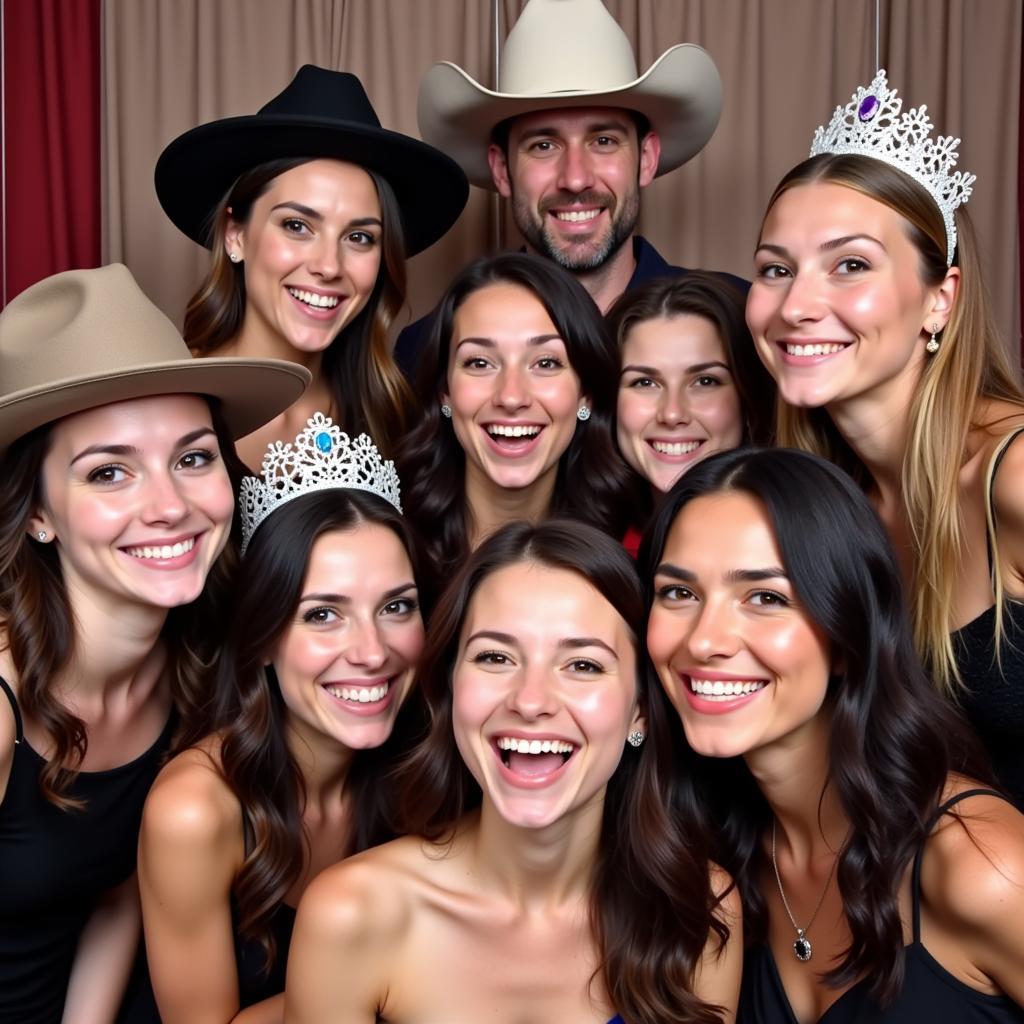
point(1004, 446)
point(19, 733)
point(915, 885)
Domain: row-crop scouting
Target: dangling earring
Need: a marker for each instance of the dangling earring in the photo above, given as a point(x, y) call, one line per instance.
point(933, 345)
point(446, 411)
point(583, 413)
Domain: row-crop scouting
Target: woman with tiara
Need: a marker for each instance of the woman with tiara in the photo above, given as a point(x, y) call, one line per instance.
point(317, 663)
point(310, 209)
point(544, 877)
point(517, 383)
point(882, 877)
point(869, 310)
point(116, 506)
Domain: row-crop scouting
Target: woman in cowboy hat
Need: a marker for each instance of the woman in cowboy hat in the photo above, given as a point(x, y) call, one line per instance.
point(116, 505)
point(310, 208)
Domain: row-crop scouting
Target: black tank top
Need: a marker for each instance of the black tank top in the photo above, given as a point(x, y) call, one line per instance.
point(994, 697)
point(930, 994)
point(54, 864)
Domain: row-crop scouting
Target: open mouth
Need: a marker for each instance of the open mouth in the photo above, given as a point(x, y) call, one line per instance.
point(314, 300)
point(724, 690)
point(576, 216)
point(513, 438)
point(675, 449)
point(816, 351)
point(360, 694)
point(163, 552)
point(534, 758)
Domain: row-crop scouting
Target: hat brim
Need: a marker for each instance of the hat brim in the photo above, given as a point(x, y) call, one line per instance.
point(680, 95)
point(251, 392)
point(197, 169)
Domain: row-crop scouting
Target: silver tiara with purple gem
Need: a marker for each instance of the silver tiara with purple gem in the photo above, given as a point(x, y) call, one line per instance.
point(323, 458)
point(871, 125)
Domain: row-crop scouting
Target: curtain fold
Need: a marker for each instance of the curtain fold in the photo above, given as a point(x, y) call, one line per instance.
point(51, 143)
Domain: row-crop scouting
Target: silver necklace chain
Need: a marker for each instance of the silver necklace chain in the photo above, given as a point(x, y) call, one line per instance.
point(802, 948)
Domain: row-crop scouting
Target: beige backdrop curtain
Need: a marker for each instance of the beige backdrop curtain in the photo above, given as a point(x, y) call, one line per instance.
point(785, 64)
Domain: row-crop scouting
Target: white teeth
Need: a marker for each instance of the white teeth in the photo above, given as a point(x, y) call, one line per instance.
point(312, 299)
point(574, 216)
point(681, 448)
point(813, 350)
point(359, 694)
point(164, 551)
point(718, 689)
point(534, 746)
point(501, 430)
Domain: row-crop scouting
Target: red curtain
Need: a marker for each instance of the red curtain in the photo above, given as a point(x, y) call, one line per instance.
point(51, 139)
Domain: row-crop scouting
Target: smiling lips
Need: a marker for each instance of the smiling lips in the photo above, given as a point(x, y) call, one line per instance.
point(320, 305)
point(718, 695)
point(810, 352)
point(532, 762)
point(173, 554)
point(513, 439)
point(674, 449)
point(362, 697)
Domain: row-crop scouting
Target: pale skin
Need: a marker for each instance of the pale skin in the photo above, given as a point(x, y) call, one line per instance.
point(834, 265)
point(317, 231)
point(494, 925)
point(710, 619)
point(579, 160)
point(357, 624)
point(134, 473)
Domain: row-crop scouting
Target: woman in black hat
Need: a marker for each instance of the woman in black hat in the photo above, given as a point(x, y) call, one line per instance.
point(310, 208)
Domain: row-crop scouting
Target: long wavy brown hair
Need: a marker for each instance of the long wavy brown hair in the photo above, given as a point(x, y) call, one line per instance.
point(246, 708)
point(652, 906)
point(39, 626)
point(369, 392)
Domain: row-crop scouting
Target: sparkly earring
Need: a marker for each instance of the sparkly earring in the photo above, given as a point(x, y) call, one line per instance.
point(583, 413)
point(234, 257)
point(446, 411)
point(635, 738)
point(933, 345)
point(41, 535)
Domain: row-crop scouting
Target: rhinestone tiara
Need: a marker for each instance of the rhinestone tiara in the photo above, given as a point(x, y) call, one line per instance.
point(871, 125)
point(323, 458)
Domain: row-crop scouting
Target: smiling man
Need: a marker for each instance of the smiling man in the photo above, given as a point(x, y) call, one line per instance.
point(570, 137)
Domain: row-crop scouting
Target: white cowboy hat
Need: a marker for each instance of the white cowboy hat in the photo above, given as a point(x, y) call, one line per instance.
point(571, 53)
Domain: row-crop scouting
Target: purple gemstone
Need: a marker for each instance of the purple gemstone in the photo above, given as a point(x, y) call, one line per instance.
point(868, 108)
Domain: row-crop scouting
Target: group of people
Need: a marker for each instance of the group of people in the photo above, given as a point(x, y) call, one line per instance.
point(629, 644)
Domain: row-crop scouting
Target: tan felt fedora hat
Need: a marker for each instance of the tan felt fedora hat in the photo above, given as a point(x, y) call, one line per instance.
point(571, 53)
point(90, 337)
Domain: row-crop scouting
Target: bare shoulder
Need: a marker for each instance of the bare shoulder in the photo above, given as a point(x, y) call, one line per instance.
point(8, 740)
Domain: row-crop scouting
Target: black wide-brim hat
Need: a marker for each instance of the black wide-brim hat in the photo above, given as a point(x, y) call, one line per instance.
point(320, 114)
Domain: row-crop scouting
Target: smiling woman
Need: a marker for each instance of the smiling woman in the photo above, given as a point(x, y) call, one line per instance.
point(116, 507)
point(537, 807)
point(310, 209)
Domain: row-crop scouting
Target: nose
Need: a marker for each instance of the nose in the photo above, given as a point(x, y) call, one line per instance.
point(163, 501)
point(576, 174)
point(324, 258)
point(511, 390)
point(803, 300)
point(713, 632)
point(366, 648)
point(673, 407)
point(533, 693)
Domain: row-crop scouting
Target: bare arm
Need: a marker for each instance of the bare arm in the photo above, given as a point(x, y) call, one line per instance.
point(8, 735)
point(717, 978)
point(1008, 495)
point(104, 957)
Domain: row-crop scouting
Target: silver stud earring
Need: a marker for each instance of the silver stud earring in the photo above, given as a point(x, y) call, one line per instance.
point(635, 738)
point(41, 535)
point(446, 411)
point(933, 345)
point(583, 413)
point(234, 257)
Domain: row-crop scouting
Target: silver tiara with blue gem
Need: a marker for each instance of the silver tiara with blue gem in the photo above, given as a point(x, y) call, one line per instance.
point(871, 125)
point(323, 458)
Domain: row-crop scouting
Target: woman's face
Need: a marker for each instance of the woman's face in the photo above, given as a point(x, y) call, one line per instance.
point(511, 388)
point(312, 253)
point(677, 399)
point(544, 692)
point(137, 499)
point(838, 308)
point(346, 659)
point(736, 653)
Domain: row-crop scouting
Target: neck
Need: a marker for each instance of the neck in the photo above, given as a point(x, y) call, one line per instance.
point(608, 281)
point(323, 762)
point(491, 506)
point(256, 341)
point(537, 867)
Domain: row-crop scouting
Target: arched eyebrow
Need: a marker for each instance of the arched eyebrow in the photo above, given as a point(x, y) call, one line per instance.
point(308, 211)
point(345, 599)
point(675, 572)
point(537, 339)
point(121, 450)
point(832, 243)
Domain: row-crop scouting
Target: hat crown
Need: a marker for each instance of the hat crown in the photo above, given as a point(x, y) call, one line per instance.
point(565, 46)
point(83, 323)
point(323, 94)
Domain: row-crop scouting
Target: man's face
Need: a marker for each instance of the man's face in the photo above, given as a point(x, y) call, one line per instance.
point(574, 178)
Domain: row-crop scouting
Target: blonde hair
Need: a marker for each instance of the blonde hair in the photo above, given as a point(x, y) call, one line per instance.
point(970, 365)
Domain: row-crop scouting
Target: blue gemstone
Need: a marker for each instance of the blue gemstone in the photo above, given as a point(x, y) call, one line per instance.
point(324, 442)
point(868, 108)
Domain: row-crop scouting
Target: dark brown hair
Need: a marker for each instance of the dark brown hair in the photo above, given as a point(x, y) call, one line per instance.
point(246, 706)
point(369, 391)
point(652, 908)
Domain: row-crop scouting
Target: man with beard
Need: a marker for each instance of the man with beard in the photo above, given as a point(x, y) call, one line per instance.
point(570, 138)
